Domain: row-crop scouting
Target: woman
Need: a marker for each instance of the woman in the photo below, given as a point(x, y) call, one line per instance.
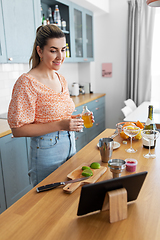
point(41, 107)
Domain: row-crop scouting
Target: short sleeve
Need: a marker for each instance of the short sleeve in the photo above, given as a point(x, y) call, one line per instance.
point(22, 105)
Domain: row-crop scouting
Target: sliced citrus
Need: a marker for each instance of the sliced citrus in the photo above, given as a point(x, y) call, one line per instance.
point(85, 167)
point(139, 124)
point(138, 136)
point(95, 165)
point(87, 173)
point(123, 135)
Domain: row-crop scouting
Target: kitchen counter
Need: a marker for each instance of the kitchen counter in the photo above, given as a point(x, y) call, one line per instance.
point(53, 214)
point(83, 99)
point(80, 100)
point(4, 128)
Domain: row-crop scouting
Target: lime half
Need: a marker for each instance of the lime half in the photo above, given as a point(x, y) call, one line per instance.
point(95, 165)
point(87, 173)
point(85, 167)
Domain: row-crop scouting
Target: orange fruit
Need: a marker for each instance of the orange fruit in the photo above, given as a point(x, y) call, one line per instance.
point(139, 124)
point(123, 135)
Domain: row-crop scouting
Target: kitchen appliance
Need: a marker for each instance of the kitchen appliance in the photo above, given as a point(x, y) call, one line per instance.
point(75, 89)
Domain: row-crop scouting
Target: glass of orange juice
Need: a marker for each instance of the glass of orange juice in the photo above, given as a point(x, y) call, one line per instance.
point(87, 117)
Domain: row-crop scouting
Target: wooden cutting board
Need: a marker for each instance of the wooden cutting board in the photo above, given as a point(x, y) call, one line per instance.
point(77, 173)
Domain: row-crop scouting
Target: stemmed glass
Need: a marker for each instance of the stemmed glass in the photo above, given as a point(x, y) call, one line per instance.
point(131, 131)
point(150, 135)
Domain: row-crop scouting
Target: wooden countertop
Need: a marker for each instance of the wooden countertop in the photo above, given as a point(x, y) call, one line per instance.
point(4, 128)
point(83, 99)
point(80, 100)
point(53, 214)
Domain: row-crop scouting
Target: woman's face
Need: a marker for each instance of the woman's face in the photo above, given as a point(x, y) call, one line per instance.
point(54, 53)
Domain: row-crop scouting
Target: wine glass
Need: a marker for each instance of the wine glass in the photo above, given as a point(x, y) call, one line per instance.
point(131, 131)
point(150, 135)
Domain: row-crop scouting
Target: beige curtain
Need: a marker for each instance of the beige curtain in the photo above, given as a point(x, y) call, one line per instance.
point(139, 48)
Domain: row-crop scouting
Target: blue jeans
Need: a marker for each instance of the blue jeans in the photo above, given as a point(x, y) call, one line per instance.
point(48, 152)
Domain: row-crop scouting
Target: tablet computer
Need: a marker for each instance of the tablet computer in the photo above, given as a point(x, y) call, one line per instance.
point(92, 195)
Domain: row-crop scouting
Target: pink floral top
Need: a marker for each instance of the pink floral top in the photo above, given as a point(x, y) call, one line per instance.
point(33, 102)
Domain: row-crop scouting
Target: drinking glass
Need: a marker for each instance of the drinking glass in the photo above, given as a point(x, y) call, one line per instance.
point(131, 131)
point(150, 135)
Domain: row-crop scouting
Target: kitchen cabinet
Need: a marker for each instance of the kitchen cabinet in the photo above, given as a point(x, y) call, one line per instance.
point(2, 195)
point(18, 28)
point(14, 164)
point(98, 108)
point(79, 28)
point(65, 12)
point(82, 34)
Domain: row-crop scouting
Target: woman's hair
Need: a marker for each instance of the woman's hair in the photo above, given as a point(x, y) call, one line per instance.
point(43, 33)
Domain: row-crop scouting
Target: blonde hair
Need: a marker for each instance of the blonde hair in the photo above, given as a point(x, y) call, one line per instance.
point(43, 33)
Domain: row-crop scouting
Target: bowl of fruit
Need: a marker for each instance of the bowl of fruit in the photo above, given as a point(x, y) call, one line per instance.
point(121, 125)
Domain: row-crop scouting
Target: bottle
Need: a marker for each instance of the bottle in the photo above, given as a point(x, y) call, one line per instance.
point(67, 51)
point(151, 126)
point(44, 21)
point(57, 17)
point(50, 15)
point(87, 117)
point(63, 25)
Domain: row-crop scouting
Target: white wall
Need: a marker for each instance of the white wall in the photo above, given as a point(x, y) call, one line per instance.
point(110, 39)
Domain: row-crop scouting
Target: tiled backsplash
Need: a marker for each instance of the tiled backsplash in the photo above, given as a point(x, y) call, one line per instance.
point(9, 73)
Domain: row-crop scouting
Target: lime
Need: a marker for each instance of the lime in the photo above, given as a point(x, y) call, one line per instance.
point(95, 165)
point(87, 173)
point(85, 167)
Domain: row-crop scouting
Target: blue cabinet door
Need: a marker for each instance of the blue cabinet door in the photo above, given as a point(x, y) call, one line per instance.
point(2, 196)
point(2, 39)
point(15, 168)
point(19, 28)
point(82, 33)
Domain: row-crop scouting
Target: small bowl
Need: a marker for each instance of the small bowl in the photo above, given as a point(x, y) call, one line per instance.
point(131, 164)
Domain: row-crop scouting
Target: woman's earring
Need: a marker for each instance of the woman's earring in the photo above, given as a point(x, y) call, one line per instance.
point(41, 59)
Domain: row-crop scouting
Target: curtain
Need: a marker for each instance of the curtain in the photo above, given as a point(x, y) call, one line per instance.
point(139, 48)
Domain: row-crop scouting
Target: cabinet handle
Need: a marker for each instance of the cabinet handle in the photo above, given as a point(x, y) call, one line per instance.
point(10, 59)
point(76, 138)
point(97, 101)
point(97, 124)
point(12, 136)
point(85, 59)
point(75, 110)
point(97, 108)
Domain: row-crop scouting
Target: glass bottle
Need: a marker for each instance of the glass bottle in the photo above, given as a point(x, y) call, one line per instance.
point(44, 21)
point(87, 117)
point(57, 17)
point(149, 125)
point(50, 15)
point(67, 51)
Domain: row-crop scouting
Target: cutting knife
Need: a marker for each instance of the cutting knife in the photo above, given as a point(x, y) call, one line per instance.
point(57, 184)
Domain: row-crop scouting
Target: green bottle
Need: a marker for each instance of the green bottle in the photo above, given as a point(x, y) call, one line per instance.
point(151, 126)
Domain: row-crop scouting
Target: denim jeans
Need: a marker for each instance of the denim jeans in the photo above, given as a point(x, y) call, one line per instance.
point(48, 152)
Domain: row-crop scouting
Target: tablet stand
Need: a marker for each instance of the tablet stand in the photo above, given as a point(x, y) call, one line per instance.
point(116, 202)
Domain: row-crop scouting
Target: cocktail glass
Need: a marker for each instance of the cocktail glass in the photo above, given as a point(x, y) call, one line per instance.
point(150, 135)
point(131, 131)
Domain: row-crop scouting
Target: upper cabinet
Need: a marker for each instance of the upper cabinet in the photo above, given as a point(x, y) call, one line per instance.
point(18, 29)
point(20, 19)
point(79, 28)
point(82, 34)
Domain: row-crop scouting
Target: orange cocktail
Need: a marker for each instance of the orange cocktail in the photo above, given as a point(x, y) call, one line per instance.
point(87, 120)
